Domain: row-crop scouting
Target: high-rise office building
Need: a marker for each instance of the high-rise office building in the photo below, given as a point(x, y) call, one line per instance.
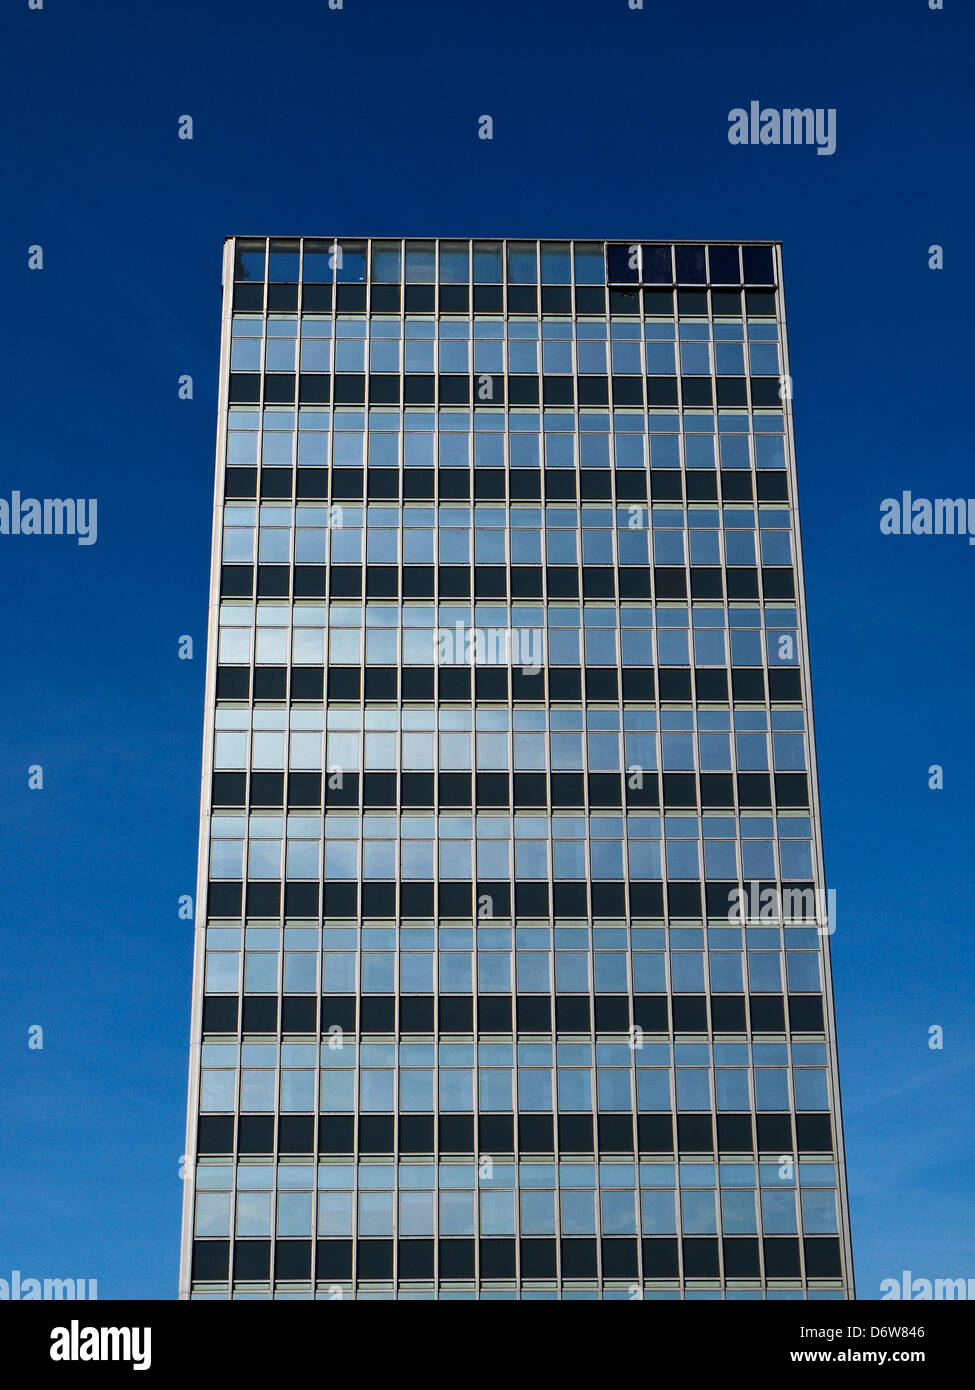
point(512, 970)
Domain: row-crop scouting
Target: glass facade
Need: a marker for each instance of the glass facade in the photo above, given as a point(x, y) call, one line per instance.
point(512, 972)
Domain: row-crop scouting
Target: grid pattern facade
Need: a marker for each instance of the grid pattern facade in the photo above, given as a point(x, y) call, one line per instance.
point(512, 971)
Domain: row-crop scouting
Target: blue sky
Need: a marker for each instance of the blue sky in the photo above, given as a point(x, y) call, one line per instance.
point(608, 123)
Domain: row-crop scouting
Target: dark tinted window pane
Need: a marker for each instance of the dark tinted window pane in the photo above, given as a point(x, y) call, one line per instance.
point(623, 263)
point(758, 265)
point(658, 303)
point(657, 268)
point(723, 262)
point(726, 303)
point(690, 265)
